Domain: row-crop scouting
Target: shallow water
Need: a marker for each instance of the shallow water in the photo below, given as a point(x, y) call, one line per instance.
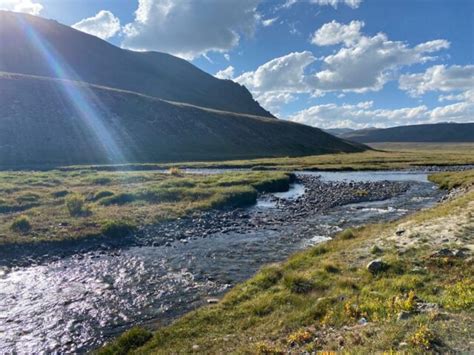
point(78, 302)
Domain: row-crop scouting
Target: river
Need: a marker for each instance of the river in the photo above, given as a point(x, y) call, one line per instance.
point(76, 303)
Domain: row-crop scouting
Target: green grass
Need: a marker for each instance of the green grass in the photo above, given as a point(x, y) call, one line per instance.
point(315, 299)
point(387, 156)
point(73, 204)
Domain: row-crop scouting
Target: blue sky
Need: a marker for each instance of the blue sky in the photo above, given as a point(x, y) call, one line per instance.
point(328, 63)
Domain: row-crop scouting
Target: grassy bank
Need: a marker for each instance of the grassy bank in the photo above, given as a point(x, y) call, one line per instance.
point(417, 297)
point(392, 156)
point(57, 205)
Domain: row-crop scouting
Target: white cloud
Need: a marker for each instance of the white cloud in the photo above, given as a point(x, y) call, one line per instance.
point(227, 73)
point(269, 22)
point(467, 95)
point(27, 6)
point(274, 100)
point(368, 63)
point(334, 33)
point(438, 78)
point(103, 25)
point(280, 74)
point(190, 28)
point(227, 56)
point(363, 115)
point(334, 3)
point(361, 64)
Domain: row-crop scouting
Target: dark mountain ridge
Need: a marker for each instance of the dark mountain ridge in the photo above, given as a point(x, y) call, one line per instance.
point(439, 132)
point(41, 125)
point(33, 45)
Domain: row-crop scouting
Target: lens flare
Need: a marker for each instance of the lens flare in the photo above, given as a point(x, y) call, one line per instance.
point(80, 96)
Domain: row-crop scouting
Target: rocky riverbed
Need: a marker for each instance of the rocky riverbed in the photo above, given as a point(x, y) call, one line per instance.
point(74, 300)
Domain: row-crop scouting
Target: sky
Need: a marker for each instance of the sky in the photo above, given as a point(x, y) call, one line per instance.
point(326, 63)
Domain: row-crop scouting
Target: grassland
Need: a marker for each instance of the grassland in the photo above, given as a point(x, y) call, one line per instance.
point(421, 299)
point(59, 205)
point(385, 156)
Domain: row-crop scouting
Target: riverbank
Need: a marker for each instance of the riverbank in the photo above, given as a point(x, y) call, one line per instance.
point(403, 285)
point(54, 206)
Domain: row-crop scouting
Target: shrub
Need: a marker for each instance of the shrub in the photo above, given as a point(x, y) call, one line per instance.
point(75, 205)
point(346, 234)
point(130, 340)
point(119, 199)
point(299, 337)
point(175, 171)
point(268, 276)
point(101, 194)
point(330, 268)
point(117, 229)
point(423, 337)
point(298, 283)
point(60, 193)
point(101, 180)
point(21, 225)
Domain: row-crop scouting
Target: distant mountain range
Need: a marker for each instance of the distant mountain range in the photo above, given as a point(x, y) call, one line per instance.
point(440, 132)
point(68, 98)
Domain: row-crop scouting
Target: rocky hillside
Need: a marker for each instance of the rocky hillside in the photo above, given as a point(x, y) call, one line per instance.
point(33, 45)
point(57, 122)
point(440, 132)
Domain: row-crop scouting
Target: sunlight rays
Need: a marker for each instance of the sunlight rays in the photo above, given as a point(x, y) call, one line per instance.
point(80, 96)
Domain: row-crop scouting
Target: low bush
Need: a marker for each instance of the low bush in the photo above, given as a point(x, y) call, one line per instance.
point(76, 205)
point(130, 340)
point(346, 234)
point(117, 229)
point(102, 194)
point(298, 283)
point(21, 225)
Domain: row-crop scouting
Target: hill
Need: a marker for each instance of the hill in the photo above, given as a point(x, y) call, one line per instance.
point(57, 122)
point(36, 46)
point(338, 131)
point(440, 132)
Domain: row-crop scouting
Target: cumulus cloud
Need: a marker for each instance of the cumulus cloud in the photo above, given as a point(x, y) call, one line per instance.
point(227, 73)
point(280, 74)
point(103, 25)
point(363, 115)
point(27, 6)
point(438, 78)
point(361, 64)
point(189, 28)
point(334, 33)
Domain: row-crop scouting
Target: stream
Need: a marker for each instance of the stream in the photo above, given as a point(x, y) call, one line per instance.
point(78, 302)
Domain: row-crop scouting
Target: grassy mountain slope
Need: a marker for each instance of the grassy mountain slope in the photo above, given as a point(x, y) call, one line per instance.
point(441, 132)
point(90, 59)
point(51, 121)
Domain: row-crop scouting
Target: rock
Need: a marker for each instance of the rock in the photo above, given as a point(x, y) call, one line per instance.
point(212, 300)
point(195, 347)
point(403, 315)
point(362, 321)
point(376, 266)
point(400, 232)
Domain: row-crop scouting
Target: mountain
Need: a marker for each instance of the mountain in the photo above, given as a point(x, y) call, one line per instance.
point(45, 121)
point(338, 131)
point(70, 98)
point(439, 132)
point(36, 46)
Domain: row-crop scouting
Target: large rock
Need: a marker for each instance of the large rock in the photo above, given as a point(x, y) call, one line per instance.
point(376, 266)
